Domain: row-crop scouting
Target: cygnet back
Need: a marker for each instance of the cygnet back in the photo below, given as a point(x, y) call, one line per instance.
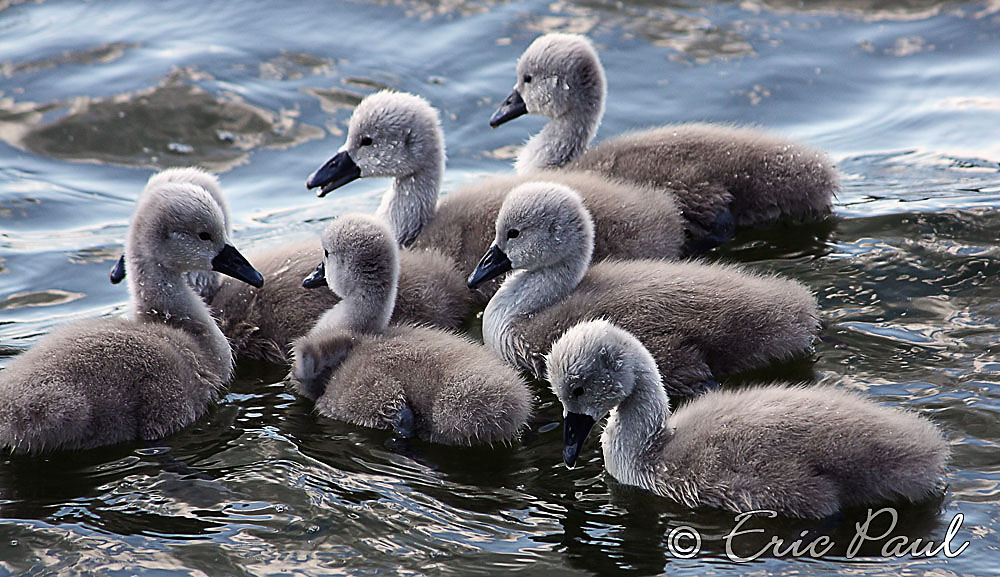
point(417, 381)
point(399, 135)
point(799, 451)
point(698, 319)
point(722, 175)
point(99, 382)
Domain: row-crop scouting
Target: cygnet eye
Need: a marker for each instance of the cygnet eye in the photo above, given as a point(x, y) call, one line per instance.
point(204, 236)
point(365, 141)
point(577, 391)
point(326, 253)
point(513, 233)
point(526, 79)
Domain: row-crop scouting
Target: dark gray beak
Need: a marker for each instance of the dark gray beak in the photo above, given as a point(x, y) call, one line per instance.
point(337, 172)
point(576, 427)
point(230, 262)
point(493, 264)
point(511, 108)
point(316, 279)
point(118, 271)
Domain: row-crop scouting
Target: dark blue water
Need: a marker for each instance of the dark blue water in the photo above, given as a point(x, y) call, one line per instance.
point(95, 96)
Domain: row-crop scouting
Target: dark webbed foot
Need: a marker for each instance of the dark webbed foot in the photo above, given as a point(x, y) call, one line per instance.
point(405, 423)
point(721, 231)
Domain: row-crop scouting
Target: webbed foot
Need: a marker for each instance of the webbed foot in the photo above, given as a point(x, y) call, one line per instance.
point(721, 230)
point(405, 423)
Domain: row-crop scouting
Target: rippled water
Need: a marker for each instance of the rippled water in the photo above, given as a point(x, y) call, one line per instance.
point(93, 96)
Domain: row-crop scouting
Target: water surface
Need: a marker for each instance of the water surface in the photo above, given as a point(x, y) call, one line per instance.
point(95, 96)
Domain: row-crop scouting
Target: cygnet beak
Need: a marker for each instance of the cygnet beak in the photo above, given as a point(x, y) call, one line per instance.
point(511, 108)
point(230, 262)
point(316, 279)
point(493, 264)
point(118, 271)
point(337, 172)
point(576, 427)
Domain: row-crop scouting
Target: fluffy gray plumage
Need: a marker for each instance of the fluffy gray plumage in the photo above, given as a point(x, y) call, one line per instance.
point(741, 175)
point(399, 135)
point(100, 382)
point(697, 319)
point(803, 452)
point(205, 283)
point(630, 222)
point(418, 381)
point(262, 323)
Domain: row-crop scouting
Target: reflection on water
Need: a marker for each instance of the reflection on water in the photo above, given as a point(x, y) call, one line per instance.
point(97, 55)
point(174, 123)
point(875, 10)
point(426, 9)
point(38, 299)
point(901, 92)
point(295, 65)
point(681, 27)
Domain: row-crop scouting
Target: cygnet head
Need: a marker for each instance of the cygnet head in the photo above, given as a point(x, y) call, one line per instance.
point(198, 177)
point(393, 134)
point(179, 227)
point(361, 266)
point(592, 368)
point(558, 75)
point(541, 225)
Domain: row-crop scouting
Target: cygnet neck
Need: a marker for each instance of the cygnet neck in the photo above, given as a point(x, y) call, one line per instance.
point(560, 141)
point(365, 308)
point(163, 296)
point(411, 201)
point(637, 426)
point(527, 291)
